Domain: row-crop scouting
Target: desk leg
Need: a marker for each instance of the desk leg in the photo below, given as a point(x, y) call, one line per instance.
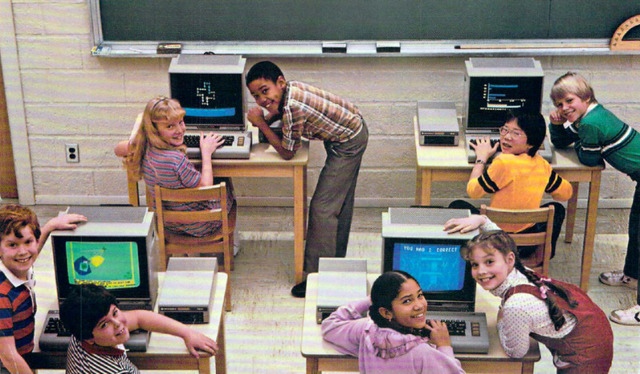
point(423, 186)
point(312, 366)
point(571, 213)
point(527, 368)
point(590, 229)
point(221, 356)
point(204, 365)
point(299, 207)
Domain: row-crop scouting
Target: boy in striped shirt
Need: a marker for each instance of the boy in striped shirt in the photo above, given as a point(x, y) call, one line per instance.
point(99, 330)
point(20, 243)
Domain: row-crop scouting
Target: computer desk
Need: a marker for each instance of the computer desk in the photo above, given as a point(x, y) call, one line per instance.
point(322, 355)
point(264, 162)
point(449, 164)
point(165, 352)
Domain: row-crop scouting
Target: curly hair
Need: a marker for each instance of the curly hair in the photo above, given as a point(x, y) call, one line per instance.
point(14, 217)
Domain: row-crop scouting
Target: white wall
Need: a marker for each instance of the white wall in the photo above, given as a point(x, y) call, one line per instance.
point(66, 95)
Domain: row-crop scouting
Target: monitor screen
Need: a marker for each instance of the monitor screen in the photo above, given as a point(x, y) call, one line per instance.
point(444, 276)
point(209, 99)
point(489, 99)
point(119, 264)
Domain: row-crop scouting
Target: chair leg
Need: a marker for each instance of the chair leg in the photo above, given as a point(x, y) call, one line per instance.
point(231, 245)
point(227, 295)
point(228, 257)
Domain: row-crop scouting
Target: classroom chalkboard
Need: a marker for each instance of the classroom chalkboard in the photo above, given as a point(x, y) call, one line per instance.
point(307, 20)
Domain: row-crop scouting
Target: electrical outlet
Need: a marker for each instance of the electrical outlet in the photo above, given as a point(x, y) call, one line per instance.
point(72, 152)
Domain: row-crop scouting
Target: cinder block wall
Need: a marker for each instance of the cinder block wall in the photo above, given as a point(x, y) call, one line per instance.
point(72, 97)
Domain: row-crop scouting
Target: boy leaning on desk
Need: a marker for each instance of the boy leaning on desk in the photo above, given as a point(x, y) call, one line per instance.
point(310, 112)
point(21, 240)
point(99, 330)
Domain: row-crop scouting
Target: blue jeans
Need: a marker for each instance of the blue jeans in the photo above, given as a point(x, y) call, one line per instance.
point(632, 260)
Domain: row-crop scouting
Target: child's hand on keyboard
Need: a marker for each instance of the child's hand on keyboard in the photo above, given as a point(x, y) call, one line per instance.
point(484, 148)
point(439, 334)
point(209, 143)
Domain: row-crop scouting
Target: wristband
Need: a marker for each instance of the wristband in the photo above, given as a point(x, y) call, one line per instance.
point(481, 162)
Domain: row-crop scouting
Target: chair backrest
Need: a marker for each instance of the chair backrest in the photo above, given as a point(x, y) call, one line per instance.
point(185, 195)
point(539, 260)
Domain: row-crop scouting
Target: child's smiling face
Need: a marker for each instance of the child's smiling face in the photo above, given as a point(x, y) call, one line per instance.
point(489, 267)
point(572, 107)
point(409, 308)
point(111, 330)
point(172, 131)
point(513, 140)
point(19, 253)
point(268, 94)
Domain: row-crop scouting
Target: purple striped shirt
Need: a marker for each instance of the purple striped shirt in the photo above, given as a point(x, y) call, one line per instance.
point(172, 169)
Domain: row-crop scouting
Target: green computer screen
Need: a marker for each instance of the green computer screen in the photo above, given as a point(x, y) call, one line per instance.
point(113, 265)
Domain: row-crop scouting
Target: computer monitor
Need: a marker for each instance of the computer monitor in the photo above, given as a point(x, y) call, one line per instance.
point(413, 240)
point(116, 249)
point(211, 90)
point(494, 86)
point(444, 276)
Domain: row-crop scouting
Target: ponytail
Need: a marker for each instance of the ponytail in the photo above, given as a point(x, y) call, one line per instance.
point(544, 284)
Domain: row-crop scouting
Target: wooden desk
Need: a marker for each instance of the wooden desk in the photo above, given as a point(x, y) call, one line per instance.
point(449, 164)
point(322, 356)
point(265, 163)
point(165, 352)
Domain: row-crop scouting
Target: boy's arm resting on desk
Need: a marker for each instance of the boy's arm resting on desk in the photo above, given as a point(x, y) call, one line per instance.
point(256, 117)
point(561, 137)
point(10, 357)
point(150, 321)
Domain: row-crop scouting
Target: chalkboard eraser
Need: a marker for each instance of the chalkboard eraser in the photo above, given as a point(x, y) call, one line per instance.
point(169, 48)
point(388, 47)
point(334, 47)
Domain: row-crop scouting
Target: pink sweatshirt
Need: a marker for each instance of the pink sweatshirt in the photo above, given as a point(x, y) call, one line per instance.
point(384, 350)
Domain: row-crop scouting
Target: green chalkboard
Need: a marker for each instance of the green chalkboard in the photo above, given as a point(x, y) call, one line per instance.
point(322, 20)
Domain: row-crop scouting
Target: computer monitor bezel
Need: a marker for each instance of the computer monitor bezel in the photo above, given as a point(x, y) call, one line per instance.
point(143, 293)
point(438, 300)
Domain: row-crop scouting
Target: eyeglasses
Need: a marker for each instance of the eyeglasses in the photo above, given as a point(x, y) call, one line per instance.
point(515, 133)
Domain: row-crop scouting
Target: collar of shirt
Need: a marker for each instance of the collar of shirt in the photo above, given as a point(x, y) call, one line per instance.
point(15, 281)
point(100, 350)
point(589, 108)
point(513, 279)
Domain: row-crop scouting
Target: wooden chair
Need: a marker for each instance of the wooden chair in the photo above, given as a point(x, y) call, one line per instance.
point(539, 260)
point(221, 242)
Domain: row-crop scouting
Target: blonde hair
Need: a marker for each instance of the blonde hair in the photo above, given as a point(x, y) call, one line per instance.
point(158, 109)
point(572, 83)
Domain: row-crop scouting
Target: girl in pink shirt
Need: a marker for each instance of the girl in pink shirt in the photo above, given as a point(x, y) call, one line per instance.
point(396, 337)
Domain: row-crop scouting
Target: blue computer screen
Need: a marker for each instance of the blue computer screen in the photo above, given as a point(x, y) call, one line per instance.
point(436, 267)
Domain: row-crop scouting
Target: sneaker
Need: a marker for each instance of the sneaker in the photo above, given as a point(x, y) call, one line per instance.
point(630, 317)
point(300, 289)
point(617, 278)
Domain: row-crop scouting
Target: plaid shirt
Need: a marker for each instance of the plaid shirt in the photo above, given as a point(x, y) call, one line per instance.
point(316, 114)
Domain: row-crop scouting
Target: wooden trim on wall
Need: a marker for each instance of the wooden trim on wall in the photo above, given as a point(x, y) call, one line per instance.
point(8, 185)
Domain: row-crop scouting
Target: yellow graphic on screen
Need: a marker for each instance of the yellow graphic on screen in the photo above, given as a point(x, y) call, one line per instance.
point(113, 265)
